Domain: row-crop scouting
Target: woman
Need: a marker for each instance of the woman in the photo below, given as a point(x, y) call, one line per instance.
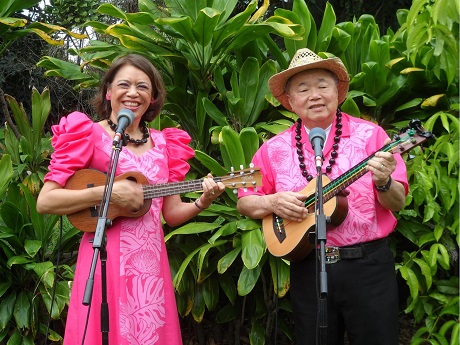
point(142, 307)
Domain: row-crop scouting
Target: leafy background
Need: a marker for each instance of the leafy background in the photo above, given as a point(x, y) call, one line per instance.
point(216, 58)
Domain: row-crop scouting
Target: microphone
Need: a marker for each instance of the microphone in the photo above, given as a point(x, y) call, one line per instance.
point(317, 138)
point(125, 118)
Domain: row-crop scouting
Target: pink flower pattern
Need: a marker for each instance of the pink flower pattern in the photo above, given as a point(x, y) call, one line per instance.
point(279, 163)
point(142, 307)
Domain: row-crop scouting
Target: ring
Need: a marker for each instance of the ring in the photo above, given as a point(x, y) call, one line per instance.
point(212, 192)
point(381, 167)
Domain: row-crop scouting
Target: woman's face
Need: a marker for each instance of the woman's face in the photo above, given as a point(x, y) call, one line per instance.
point(130, 89)
point(313, 97)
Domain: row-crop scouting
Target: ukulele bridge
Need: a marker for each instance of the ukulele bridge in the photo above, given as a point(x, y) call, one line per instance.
point(278, 228)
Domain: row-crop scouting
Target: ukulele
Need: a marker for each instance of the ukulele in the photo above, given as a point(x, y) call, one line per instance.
point(86, 219)
point(291, 240)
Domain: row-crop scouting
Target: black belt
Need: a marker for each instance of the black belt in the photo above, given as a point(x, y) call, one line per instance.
point(357, 251)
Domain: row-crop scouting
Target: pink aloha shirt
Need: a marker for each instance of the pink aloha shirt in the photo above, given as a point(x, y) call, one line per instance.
point(367, 220)
point(142, 306)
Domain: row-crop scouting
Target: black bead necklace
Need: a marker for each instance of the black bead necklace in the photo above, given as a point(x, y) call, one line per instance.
point(137, 142)
point(335, 146)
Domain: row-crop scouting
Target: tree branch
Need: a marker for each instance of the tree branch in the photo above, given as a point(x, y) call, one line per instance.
point(8, 118)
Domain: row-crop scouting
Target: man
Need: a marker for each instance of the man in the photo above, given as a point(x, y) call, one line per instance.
point(362, 298)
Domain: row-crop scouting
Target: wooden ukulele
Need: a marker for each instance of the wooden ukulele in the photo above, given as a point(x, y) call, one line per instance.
point(291, 240)
point(86, 219)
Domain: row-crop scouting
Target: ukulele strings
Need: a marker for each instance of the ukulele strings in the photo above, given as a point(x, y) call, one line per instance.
point(347, 178)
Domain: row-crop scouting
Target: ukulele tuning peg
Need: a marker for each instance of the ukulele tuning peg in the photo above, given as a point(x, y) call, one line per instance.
point(245, 189)
point(241, 167)
point(235, 191)
point(232, 171)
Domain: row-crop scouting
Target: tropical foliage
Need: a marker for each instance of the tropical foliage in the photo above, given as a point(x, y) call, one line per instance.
point(216, 64)
point(32, 286)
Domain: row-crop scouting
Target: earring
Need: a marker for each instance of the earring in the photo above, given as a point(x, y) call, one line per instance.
point(107, 96)
point(152, 102)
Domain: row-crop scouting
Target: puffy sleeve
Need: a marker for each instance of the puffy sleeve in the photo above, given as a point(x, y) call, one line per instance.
point(179, 153)
point(73, 147)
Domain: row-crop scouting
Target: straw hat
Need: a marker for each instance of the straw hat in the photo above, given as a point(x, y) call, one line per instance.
point(304, 59)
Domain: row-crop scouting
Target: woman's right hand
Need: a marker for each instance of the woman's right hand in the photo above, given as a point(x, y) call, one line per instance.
point(127, 194)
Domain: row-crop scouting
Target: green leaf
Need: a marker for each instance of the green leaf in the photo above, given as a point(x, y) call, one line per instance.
point(112, 11)
point(4, 286)
point(22, 310)
point(6, 309)
point(228, 286)
point(443, 258)
point(213, 166)
point(45, 271)
point(226, 31)
point(192, 228)
point(65, 69)
point(426, 271)
point(280, 275)
point(227, 260)
point(61, 298)
point(41, 106)
point(248, 86)
point(18, 260)
point(257, 334)
point(204, 26)
point(6, 173)
point(179, 27)
point(253, 248)
point(327, 24)
point(32, 247)
point(198, 305)
point(249, 224)
point(214, 112)
point(411, 278)
point(248, 279)
point(202, 256)
point(210, 293)
point(225, 230)
point(227, 314)
point(232, 145)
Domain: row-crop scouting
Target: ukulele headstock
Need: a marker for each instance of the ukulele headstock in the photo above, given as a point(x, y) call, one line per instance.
point(243, 178)
point(411, 136)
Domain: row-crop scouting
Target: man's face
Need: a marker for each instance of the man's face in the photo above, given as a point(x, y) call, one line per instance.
point(313, 97)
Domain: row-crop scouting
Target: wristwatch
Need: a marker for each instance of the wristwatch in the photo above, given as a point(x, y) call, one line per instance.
point(384, 188)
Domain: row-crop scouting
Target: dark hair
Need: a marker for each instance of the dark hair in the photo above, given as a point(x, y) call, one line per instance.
point(102, 105)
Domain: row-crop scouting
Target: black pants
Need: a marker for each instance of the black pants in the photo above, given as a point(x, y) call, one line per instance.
point(362, 299)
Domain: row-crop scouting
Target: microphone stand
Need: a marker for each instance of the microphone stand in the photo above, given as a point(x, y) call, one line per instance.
point(322, 275)
point(100, 241)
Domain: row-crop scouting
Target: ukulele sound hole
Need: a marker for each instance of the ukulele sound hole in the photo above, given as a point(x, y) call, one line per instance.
point(278, 228)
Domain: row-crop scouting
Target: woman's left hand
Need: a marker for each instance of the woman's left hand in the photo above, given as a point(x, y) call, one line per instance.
point(211, 190)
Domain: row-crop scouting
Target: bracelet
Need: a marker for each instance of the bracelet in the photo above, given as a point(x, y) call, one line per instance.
point(384, 188)
point(198, 206)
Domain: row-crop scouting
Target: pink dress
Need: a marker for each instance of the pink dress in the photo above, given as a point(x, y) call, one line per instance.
point(142, 306)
